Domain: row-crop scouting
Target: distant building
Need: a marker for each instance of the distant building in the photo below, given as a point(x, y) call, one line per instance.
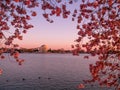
point(43, 49)
point(61, 50)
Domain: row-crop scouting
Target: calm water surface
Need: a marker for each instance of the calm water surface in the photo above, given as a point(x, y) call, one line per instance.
point(46, 72)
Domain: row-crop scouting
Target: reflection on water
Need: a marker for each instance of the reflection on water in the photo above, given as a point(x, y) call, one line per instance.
point(45, 72)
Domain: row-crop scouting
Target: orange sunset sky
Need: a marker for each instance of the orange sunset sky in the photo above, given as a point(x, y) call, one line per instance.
point(60, 34)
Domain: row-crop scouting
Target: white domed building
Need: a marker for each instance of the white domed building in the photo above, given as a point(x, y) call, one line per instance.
point(43, 49)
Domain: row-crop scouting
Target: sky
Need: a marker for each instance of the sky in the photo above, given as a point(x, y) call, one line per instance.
point(60, 34)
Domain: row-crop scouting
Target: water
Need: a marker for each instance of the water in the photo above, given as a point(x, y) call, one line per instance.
point(46, 72)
